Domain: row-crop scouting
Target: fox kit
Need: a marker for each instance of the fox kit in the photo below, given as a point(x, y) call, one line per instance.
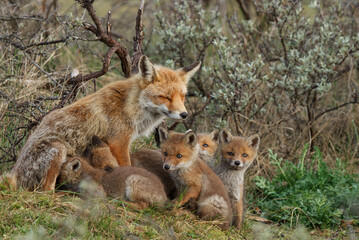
point(99, 155)
point(136, 185)
point(237, 154)
point(118, 113)
point(180, 158)
point(208, 144)
point(151, 160)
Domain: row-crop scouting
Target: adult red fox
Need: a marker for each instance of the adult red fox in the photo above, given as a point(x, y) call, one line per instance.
point(180, 157)
point(118, 113)
point(237, 154)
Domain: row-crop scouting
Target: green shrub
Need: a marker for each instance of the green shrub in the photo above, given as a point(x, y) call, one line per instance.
point(318, 196)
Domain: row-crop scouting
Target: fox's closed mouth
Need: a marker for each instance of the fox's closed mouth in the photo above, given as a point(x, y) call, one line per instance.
point(169, 170)
point(165, 112)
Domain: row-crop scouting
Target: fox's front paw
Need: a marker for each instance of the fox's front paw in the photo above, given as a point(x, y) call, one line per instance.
point(192, 204)
point(176, 203)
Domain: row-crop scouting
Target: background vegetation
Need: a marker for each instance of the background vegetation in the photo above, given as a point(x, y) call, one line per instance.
point(287, 70)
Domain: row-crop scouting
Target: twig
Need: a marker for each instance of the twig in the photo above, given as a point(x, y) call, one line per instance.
point(138, 39)
point(336, 108)
point(105, 66)
point(121, 50)
point(33, 17)
point(21, 47)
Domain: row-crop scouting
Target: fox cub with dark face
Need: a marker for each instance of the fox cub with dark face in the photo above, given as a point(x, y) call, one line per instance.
point(136, 185)
point(237, 154)
point(180, 158)
point(118, 113)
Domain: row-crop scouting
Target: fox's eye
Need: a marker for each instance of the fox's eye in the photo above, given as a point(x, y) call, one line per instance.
point(230, 153)
point(245, 155)
point(205, 145)
point(165, 153)
point(165, 97)
point(179, 156)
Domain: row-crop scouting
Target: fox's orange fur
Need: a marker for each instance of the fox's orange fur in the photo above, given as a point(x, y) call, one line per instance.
point(180, 157)
point(151, 160)
point(237, 154)
point(135, 185)
point(208, 146)
point(99, 155)
point(118, 113)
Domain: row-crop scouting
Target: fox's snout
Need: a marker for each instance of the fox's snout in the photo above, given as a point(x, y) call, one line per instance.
point(236, 164)
point(184, 115)
point(166, 166)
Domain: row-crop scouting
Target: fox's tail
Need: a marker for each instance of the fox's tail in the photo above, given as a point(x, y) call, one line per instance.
point(215, 208)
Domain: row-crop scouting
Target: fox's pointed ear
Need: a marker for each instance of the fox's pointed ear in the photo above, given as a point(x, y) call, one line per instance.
point(163, 134)
point(190, 138)
point(189, 71)
point(225, 136)
point(253, 141)
point(74, 165)
point(215, 135)
point(146, 70)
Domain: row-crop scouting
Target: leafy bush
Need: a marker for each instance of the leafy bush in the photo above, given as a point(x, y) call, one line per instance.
point(315, 196)
point(281, 73)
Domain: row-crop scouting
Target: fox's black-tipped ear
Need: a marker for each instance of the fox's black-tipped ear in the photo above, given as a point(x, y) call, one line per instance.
point(189, 71)
point(74, 165)
point(87, 154)
point(215, 135)
point(253, 141)
point(147, 70)
point(97, 142)
point(225, 136)
point(190, 138)
point(163, 134)
point(108, 169)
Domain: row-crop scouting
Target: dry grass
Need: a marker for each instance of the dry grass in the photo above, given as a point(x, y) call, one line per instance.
point(34, 215)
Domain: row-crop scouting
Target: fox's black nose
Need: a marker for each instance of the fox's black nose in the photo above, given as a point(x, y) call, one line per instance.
point(184, 115)
point(166, 166)
point(237, 163)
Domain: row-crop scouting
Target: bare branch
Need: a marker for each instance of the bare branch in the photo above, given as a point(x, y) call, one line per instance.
point(336, 108)
point(109, 23)
point(106, 38)
point(105, 66)
point(138, 39)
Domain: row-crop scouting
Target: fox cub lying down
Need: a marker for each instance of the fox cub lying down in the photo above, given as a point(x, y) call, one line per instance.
point(135, 185)
point(180, 157)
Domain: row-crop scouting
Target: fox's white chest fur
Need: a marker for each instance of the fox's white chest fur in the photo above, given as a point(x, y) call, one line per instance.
point(233, 180)
point(146, 124)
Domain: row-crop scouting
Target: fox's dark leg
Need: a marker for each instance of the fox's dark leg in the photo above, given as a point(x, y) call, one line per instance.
point(55, 167)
